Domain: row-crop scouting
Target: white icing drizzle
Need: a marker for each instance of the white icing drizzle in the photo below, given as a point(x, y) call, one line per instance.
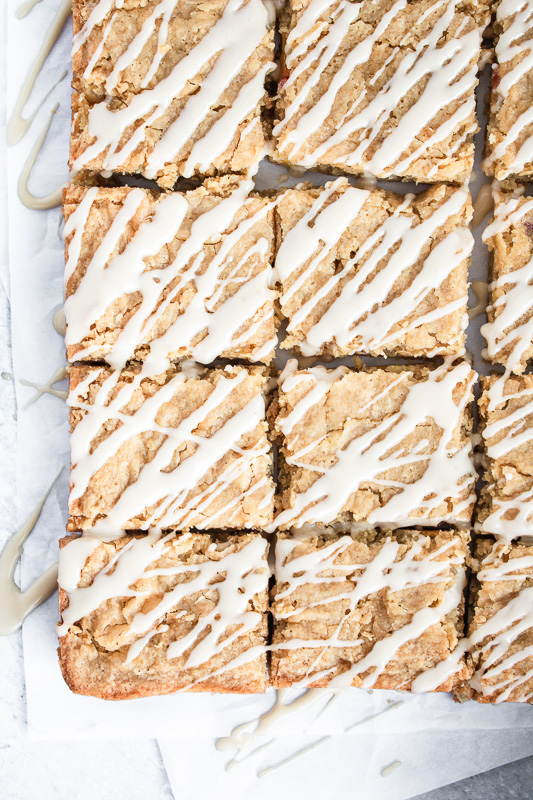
point(449, 71)
point(245, 574)
point(359, 318)
point(510, 516)
point(24, 9)
point(512, 323)
point(449, 471)
point(230, 43)
point(14, 604)
point(48, 387)
point(206, 328)
point(173, 495)
point(386, 771)
point(267, 770)
point(389, 570)
point(18, 125)
point(28, 199)
point(513, 46)
point(244, 736)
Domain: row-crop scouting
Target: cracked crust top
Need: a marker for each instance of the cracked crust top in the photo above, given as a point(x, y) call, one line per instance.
point(372, 272)
point(169, 450)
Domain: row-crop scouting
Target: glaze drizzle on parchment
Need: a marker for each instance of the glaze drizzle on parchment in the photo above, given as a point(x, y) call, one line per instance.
point(18, 125)
point(48, 387)
point(15, 605)
point(267, 770)
point(28, 199)
point(24, 9)
point(244, 738)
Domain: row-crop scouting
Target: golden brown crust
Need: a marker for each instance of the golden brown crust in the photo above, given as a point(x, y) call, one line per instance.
point(243, 500)
point(500, 658)
point(92, 653)
point(310, 611)
point(511, 249)
point(507, 133)
point(508, 474)
point(356, 403)
point(251, 249)
point(443, 334)
point(97, 84)
point(449, 158)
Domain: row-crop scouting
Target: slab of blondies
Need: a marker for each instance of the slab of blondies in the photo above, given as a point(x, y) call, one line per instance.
point(501, 629)
point(169, 88)
point(380, 86)
point(386, 447)
point(367, 610)
point(373, 272)
point(506, 423)
point(509, 151)
point(509, 331)
point(169, 276)
point(157, 613)
point(175, 450)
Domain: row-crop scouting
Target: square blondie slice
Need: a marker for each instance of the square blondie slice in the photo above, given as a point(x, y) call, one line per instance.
point(509, 150)
point(509, 330)
point(152, 614)
point(382, 87)
point(364, 610)
point(506, 423)
point(387, 447)
point(501, 629)
point(372, 272)
point(161, 277)
point(169, 89)
point(174, 450)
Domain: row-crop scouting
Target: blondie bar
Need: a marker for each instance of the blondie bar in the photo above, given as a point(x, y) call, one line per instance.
point(506, 422)
point(387, 447)
point(509, 151)
point(169, 88)
point(509, 331)
point(169, 450)
point(363, 610)
point(151, 614)
point(374, 273)
point(160, 277)
point(501, 631)
point(384, 87)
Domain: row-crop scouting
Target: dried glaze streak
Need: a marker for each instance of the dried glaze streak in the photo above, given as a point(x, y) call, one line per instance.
point(168, 450)
point(510, 131)
point(375, 273)
point(383, 447)
point(385, 88)
point(501, 633)
point(158, 278)
point(160, 613)
point(509, 331)
point(15, 605)
point(367, 611)
point(506, 418)
point(169, 87)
